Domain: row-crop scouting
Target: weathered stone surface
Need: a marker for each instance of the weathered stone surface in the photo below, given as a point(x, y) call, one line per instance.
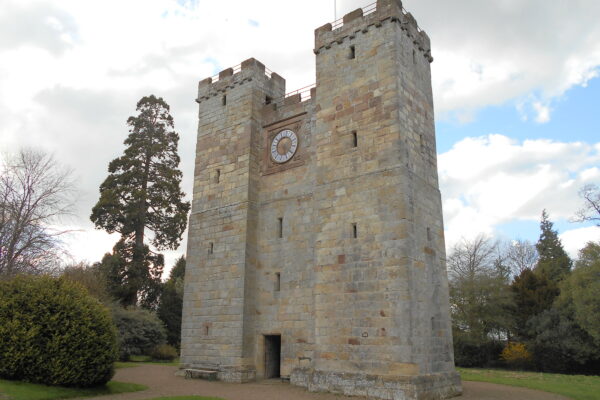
point(339, 250)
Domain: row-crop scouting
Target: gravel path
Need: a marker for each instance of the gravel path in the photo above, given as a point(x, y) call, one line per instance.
point(161, 381)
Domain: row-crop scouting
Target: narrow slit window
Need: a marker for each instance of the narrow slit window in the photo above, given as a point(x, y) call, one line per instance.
point(414, 57)
point(218, 176)
point(206, 330)
point(224, 100)
point(429, 234)
point(354, 231)
point(352, 54)
point(211, 248)
point(268, 100)
point(422, 143)
point(277, 281)
point(354, 139)
point(280, 227)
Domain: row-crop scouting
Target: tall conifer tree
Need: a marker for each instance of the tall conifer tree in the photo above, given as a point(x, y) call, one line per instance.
point(553, 262)
point(142, 191)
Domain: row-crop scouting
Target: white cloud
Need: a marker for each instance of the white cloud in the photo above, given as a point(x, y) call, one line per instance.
point(491, 180)
point(72, 71)
point(575, 239)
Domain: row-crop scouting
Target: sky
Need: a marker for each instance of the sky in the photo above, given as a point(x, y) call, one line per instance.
point(516, 89)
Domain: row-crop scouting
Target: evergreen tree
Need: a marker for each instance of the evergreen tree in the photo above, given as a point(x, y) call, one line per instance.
point(142, 191)
point(132, 282)
point(553, 262)
point(171, 303)
point(532, 294)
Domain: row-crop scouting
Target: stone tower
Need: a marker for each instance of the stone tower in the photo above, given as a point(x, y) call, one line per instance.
point(316, 247)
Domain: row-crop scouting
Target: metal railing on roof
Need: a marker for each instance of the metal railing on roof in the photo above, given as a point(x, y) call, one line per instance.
point(368, 9)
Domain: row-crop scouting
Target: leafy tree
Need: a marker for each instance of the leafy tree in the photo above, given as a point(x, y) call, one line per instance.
point(553, 261)
point(591, 208)
point(533, 294)
point(479, 292)
point(35, 192)
point(171, 302)
point(91, 278)
point(140, 331)
point(581, 291)
point(559, 344)
point(142, 191)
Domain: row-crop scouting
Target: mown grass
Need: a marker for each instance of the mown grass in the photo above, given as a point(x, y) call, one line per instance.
point(577, 387)
point(17, 390)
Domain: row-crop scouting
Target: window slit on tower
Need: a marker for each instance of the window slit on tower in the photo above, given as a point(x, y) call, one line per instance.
point(354, 231)
point(352, 54)
point(224, 100)
point(280, 227)
point(277, 281)
point(354, 139)
point(211, 248)
point(218, 176)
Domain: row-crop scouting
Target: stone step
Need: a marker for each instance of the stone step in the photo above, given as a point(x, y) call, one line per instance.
point(206, 374)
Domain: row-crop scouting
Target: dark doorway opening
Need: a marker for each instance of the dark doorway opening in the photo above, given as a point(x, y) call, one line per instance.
point(272, 356)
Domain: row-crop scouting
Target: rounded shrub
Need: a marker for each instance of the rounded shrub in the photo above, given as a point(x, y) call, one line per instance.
point(139, 331)
point(164, 352)
point(53, 332)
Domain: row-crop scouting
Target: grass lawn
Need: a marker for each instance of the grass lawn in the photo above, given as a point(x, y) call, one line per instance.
point(187, 398)
point(17, 390)
point(577, 387)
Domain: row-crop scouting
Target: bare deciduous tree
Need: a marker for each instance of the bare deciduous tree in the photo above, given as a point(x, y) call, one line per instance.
point(520, 255)
point(591, 207)
point(35, 192)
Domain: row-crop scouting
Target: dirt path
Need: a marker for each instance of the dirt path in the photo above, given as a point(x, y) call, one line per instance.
point(161, 381)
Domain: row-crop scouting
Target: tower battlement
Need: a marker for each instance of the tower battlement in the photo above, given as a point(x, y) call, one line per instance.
point(235, 76)
point(373, 16)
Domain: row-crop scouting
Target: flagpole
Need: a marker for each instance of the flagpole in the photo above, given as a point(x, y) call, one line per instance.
point(334, 10)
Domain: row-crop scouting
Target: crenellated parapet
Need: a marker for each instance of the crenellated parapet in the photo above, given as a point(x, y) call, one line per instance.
point(361, 20)
point(229, 78)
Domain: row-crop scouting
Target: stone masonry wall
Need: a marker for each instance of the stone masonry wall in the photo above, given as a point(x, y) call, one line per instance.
point(339, 250)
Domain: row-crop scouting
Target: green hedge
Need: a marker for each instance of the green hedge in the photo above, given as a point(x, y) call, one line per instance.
point(53, 332)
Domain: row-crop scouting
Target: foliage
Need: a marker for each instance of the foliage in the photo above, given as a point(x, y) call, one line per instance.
point(532, 295)
point(479, 293)
point(142, 191)
point(553, 261)
point(577, 387)
point(171, 302)
point(54, 333)
point(558, 344)
point(139, 331)
point(581, 290)
point(164, 352)
point(91, 278)
point(475, 353)
point(516, 355)
point(591, 207)
point(35, 191)
point(18, 390)
point(133, 281)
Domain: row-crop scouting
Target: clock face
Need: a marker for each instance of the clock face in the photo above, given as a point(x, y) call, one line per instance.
point(284, 146)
